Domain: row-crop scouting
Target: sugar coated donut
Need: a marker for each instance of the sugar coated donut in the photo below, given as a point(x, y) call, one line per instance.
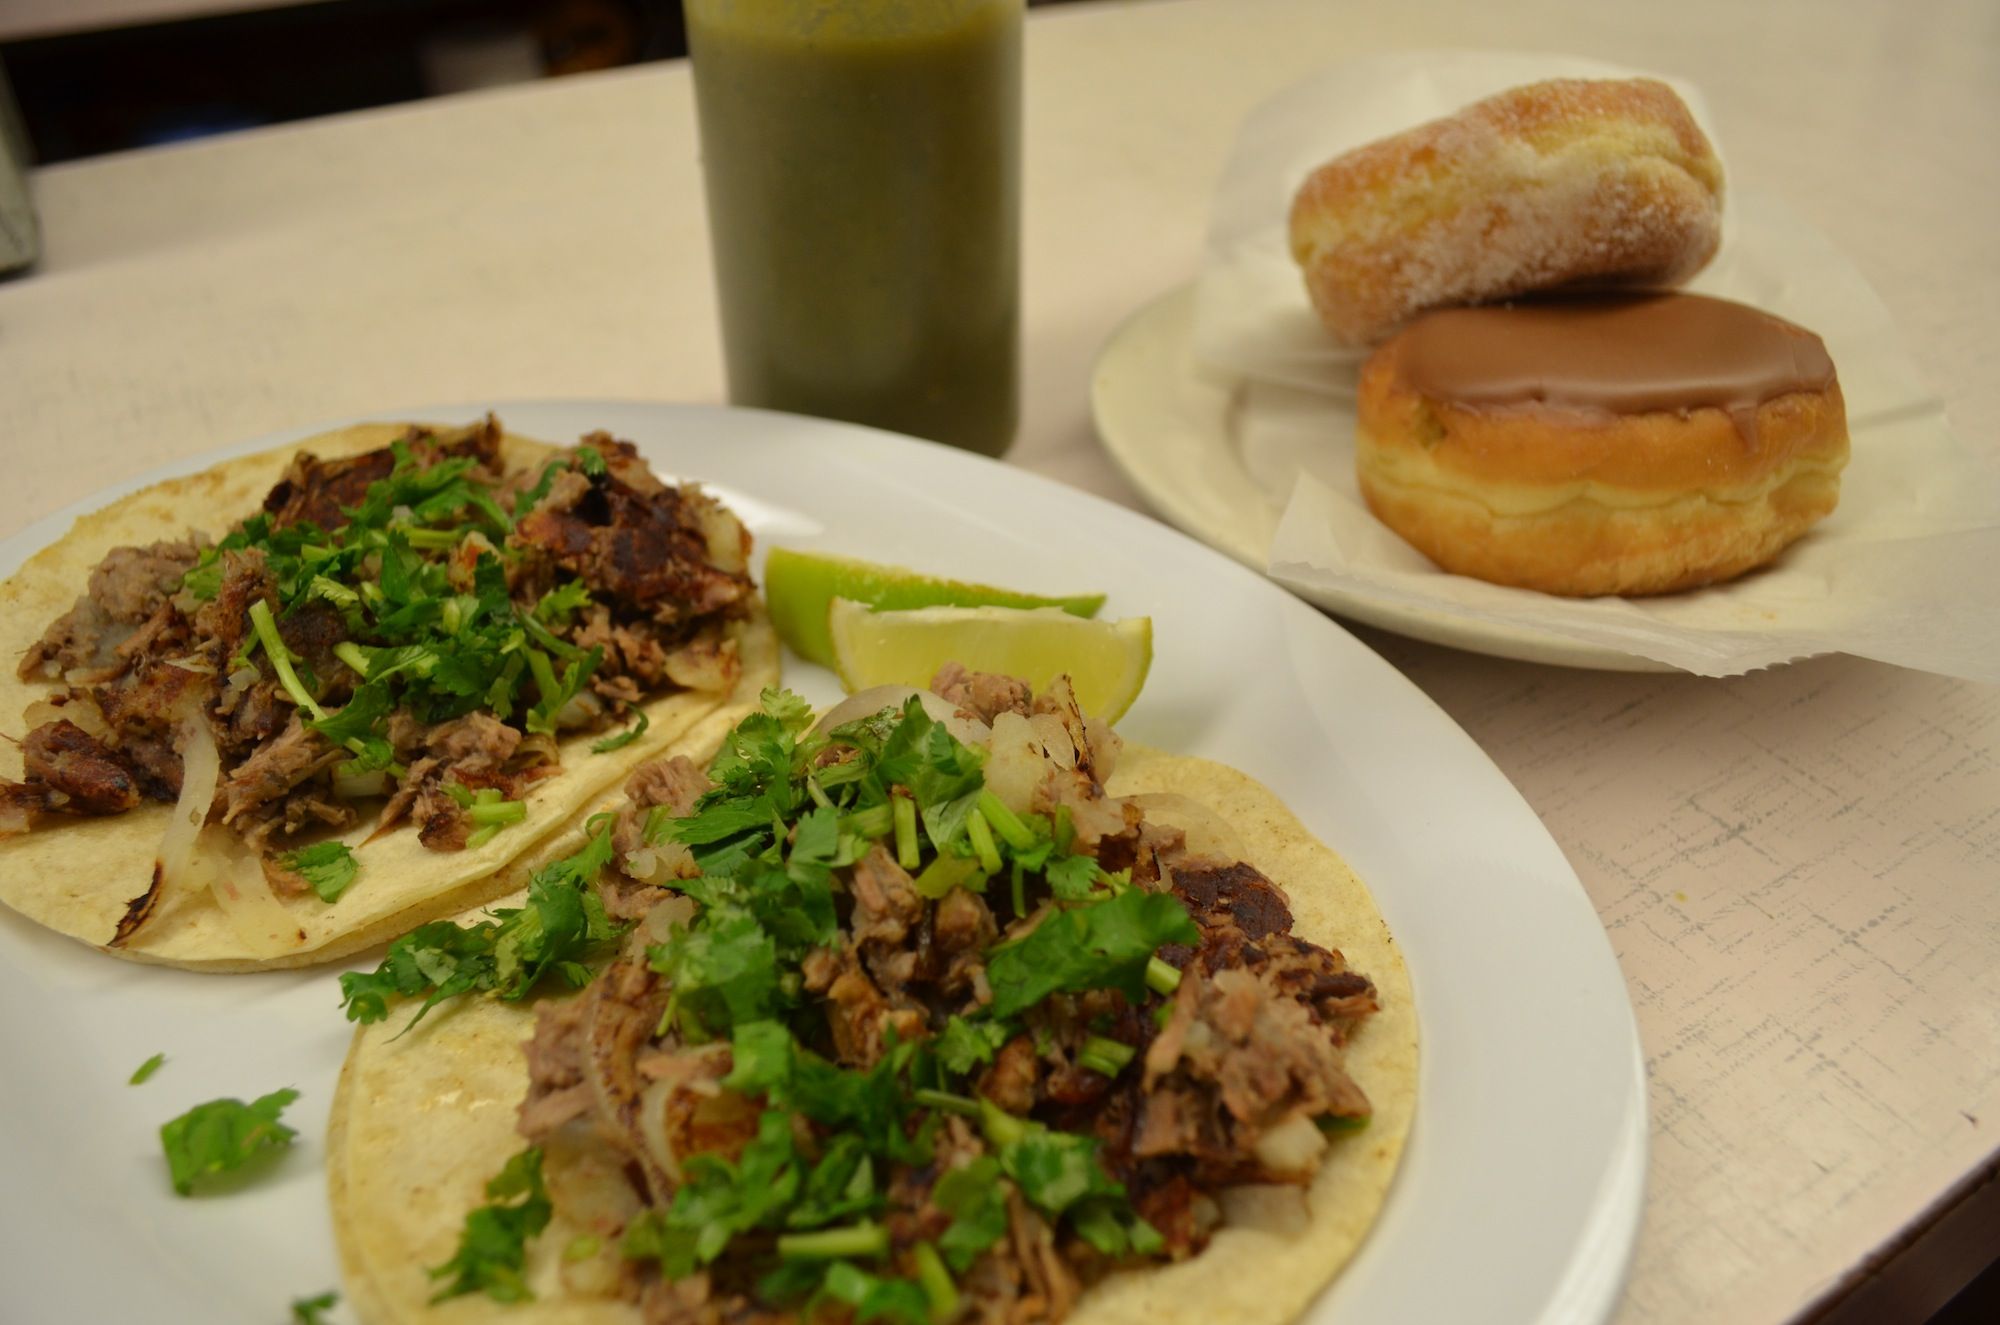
point(1565, 182)
point(1609, 444)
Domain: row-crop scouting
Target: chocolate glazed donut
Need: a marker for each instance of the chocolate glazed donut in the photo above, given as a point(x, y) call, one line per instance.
point(1602, 444)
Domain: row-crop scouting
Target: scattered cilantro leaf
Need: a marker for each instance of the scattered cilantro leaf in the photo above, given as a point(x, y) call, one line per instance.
point(1059, 1173)
point(872, 1298)
point(145, 1070)
point(1102, 945)
point(557, 690)
point(723, 971)
point(619, 740)
point(530, 498)
point(942, 772)
point(977, 1203)
point(1073, 878)
point(968, 1043)
point(718, 1199)
point(311, 1310)
point(223, 1135)
point(493, 1245)
point(840, 1186)
point(330, 867)
point(559, 604)
point(560, 929)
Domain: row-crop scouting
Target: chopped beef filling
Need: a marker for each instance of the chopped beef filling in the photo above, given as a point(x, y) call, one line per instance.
point(1208, 1085)
point(647, 579)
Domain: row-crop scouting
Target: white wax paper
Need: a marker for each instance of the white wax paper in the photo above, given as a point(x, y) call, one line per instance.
point(1900, 572)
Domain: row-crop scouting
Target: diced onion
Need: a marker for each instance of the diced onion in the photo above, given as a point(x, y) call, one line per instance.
point(242, 678)
point(653, 1127)
point(723, 534)
point(676, 909)
point(41, 713)
point(1208, 833)
point(1276, 1208)
point(660, 865)
point(580, 710)
point(592, 1196)
point(241, 889)
point(1049, 730)
point(865, 703)
point(79, 711)
point(1105, 747)
point(192, 664)
point(361, 786)
point(1293, 1146)
point(201, 770)
point(1018, 764)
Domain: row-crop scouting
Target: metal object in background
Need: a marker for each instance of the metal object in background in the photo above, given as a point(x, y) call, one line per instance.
point(20, 236)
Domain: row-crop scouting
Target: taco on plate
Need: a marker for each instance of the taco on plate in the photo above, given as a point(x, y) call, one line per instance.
point(293, 705)
point(938, 1009)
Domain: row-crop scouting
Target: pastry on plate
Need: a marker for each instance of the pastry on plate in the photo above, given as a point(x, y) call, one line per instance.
point(1601, 444)
point(1572, 181)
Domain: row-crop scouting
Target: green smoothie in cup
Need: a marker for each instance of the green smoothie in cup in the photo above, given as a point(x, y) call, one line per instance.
point(862, 160)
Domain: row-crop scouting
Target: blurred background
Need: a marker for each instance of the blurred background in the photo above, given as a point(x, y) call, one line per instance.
point(94, 76)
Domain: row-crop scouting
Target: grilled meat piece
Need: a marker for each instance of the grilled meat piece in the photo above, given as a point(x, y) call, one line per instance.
point(126, 589)
point(648, 552)
point(319, 490)
point(1221, 894)
point(67, 759)
point(982, 695)
point(296, 754)
point(225, 618)
point(322, 490)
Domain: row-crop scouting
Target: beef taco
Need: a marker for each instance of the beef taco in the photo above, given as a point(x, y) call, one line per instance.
point(951, 1011)
point(296, 704)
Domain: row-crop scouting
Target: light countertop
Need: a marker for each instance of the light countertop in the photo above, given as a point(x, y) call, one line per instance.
point(1799, 869)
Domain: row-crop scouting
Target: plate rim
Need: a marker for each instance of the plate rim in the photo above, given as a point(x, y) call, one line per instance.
point(1598, 1259)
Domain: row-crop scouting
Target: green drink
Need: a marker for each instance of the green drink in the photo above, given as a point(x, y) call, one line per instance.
point(862, 160)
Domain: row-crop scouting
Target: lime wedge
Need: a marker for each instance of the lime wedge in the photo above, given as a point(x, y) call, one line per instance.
point(1107, 661)
point(799, 585)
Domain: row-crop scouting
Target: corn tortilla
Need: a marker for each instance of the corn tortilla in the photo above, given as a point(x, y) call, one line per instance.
point(421, 1122)
point(76, 876)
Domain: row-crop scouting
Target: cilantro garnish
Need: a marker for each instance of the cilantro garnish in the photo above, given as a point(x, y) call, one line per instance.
point(942, 772)
point(558, 931)
point(529, 499)
point(978, 1207)
point(493, 1246)
point(619, 740)
point(311, 1310)
point(420, 639)
point(223, 1135)
point(871, 1298)
point(788, 810)
point(1102, 945)
point(965, 1045)
point(330, 867)
point(145, 1070)
point(1059, 1172)
point(559, 604)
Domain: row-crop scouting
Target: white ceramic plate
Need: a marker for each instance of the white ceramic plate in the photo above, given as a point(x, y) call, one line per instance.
point(1520, 1194)
point(1172, 426)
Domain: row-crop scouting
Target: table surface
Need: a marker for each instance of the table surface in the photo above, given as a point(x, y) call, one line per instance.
point(1797, 868)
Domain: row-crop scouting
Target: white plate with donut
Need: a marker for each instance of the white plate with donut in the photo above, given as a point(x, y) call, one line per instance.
point(1233, 412)
point(1183, 434)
